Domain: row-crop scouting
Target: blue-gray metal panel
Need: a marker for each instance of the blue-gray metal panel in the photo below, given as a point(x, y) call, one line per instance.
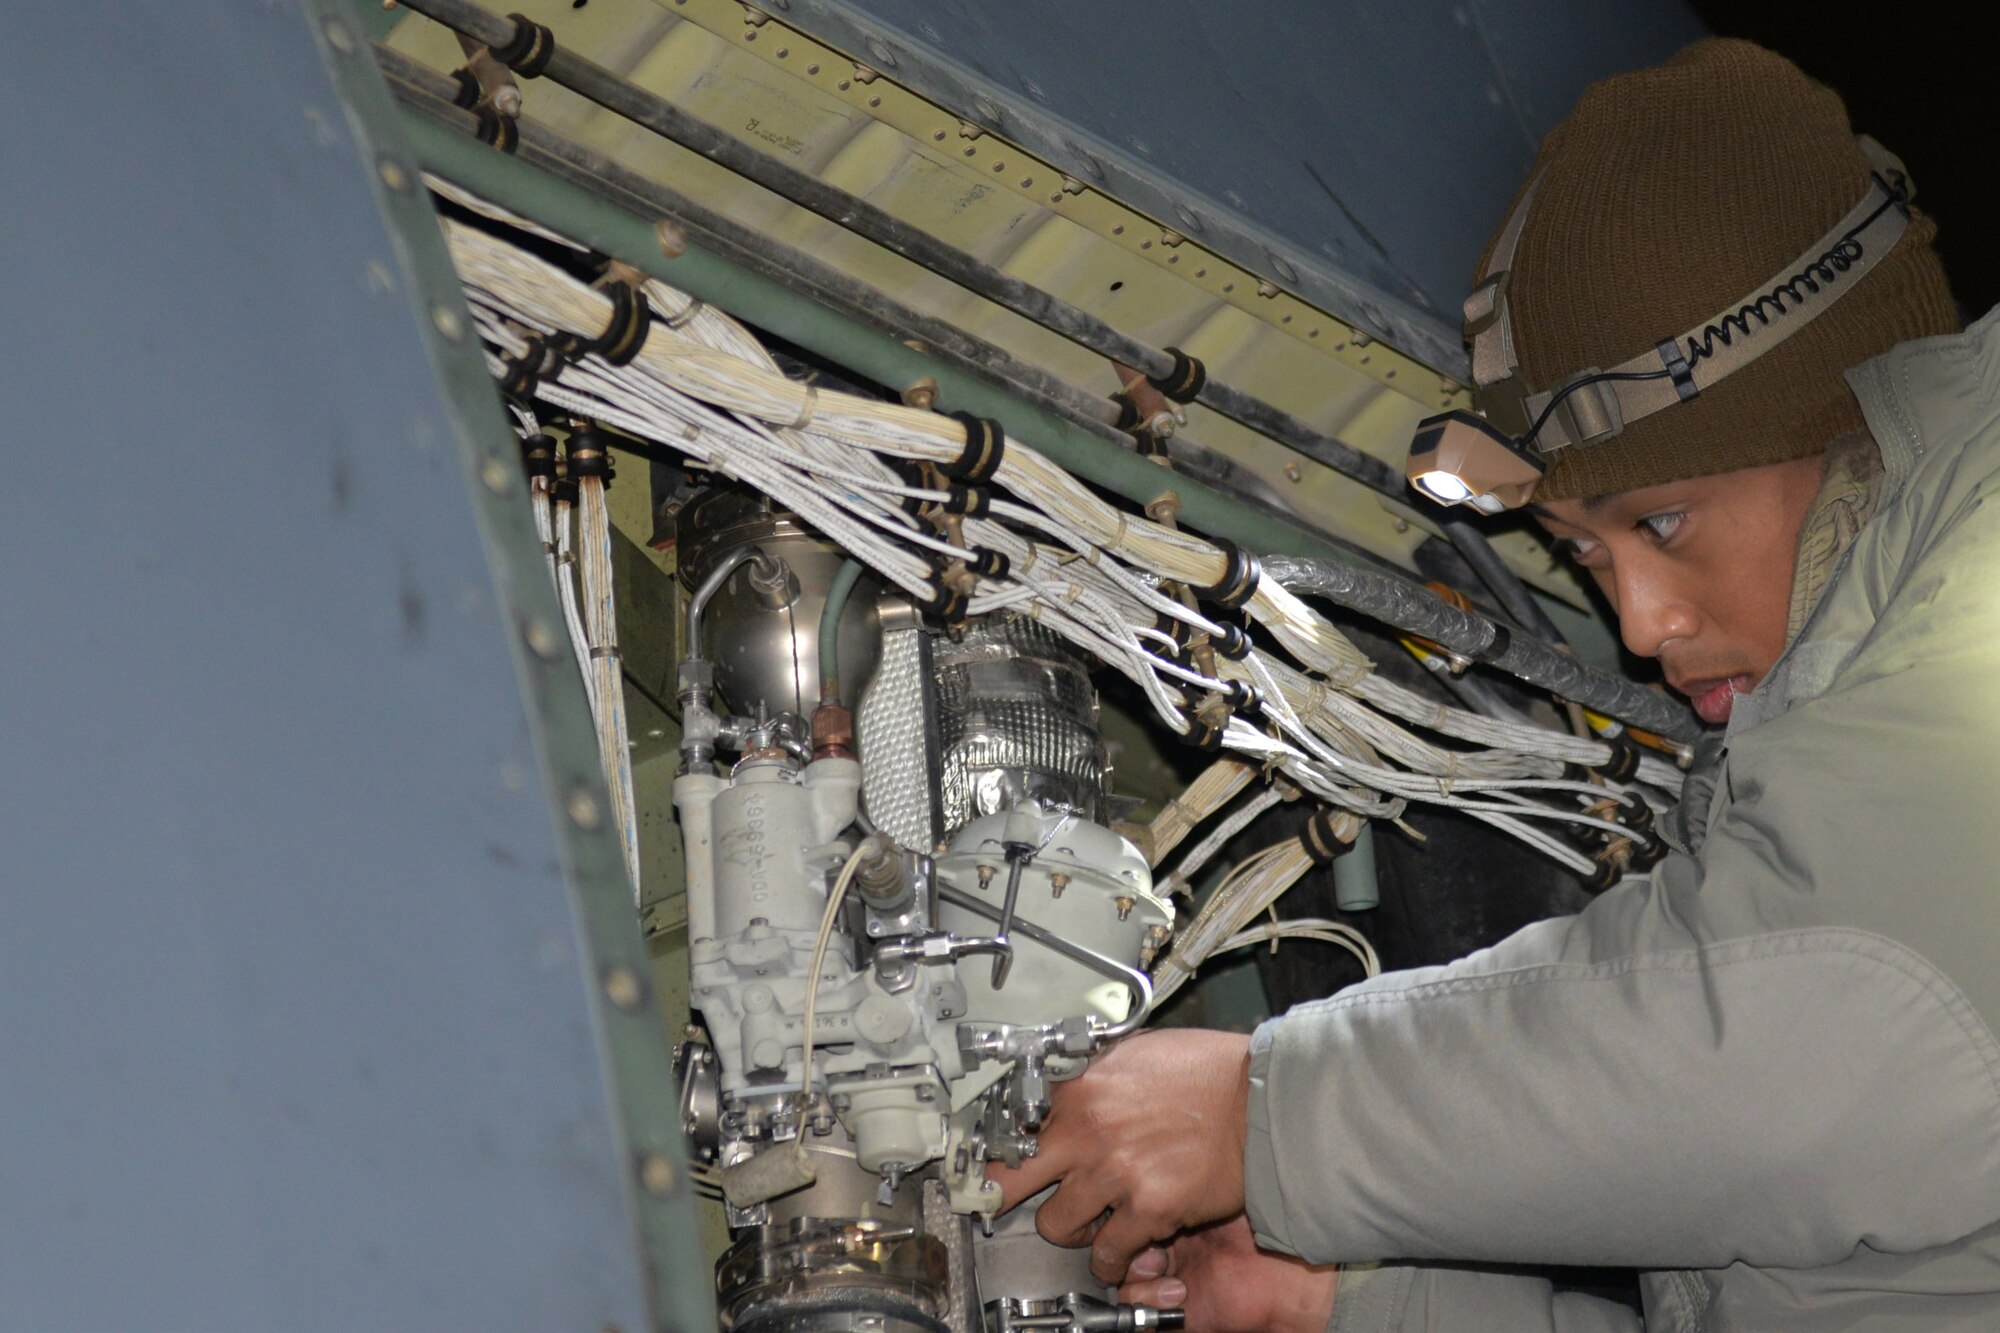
point(1358, 154)
point(293, 1033)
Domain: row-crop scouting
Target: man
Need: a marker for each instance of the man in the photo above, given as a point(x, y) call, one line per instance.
point(1766, 1074)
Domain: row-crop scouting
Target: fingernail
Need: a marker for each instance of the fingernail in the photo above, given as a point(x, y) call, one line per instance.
point(1151, 1263)
point(1173, 1291)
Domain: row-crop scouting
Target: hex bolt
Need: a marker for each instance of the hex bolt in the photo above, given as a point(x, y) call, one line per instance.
point(986, 874)
point(1057, 883)
point(1124, 906)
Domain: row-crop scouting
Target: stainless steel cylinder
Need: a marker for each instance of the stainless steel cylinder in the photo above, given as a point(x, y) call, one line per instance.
point(762, 633)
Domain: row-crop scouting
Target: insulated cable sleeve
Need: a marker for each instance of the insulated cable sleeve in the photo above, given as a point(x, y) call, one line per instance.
point(1418, 611)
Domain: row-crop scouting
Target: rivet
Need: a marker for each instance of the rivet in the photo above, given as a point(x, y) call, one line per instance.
point(338, 37)
point(999, 167)
point(874, 101)
point(938, 135)
point(622, 988)
point(583, 809)
point(812, 69)
point(447, 322)
point(656, 1173)
point(497, 475)
point(392, 174)
point(1292, 473)
point(541, 639)
point(784, 51)
point(673, 241)
point(1118, 229)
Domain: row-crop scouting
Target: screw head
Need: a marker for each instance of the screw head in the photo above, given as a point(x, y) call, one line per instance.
point(656, 1173)
point(623, 988)
point(541, 639)
point(583, 809)
point(448, 323)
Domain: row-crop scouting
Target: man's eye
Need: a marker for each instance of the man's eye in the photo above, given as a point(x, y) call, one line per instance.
point(1577, 549)
point(1662, 526)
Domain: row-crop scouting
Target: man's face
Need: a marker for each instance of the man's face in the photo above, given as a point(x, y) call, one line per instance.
point(1699, 571)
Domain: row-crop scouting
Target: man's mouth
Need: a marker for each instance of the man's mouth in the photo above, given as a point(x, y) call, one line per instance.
point(1714, 698)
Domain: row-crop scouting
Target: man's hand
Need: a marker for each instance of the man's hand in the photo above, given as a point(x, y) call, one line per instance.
point(1152, 1132)
point(1227, 1285)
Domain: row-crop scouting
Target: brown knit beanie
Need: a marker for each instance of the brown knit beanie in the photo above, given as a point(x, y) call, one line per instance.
point(1670, 194)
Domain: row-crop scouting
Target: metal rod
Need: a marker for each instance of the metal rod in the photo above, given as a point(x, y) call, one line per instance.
point(1134, 980)
point(1419, 611)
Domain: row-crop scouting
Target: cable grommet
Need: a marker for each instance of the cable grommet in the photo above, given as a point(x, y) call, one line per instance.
point(985, 446)
point(465, 95)
point(538, 455)
point(527, 52)
point(991, 564)
point(496, 130)
point(1322, 845)
point(589, 455)
point(1233, 642)
point(1183, 382)
point(971, 501)
point(1239, 579)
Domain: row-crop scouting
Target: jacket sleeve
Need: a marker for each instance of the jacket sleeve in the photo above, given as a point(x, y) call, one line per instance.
point(1770, 1054)
point(1449, 1299)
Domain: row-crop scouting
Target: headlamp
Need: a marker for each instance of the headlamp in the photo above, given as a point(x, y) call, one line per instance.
point(1492, 459)
point(1458, 458)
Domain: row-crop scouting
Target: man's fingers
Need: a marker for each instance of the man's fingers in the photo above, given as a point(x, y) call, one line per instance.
point(1165, 1292)
point(1069, 1216)
point(1118, 1242)
point(1149, 1264)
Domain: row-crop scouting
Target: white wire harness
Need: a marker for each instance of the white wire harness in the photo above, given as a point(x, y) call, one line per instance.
point(1039, 543)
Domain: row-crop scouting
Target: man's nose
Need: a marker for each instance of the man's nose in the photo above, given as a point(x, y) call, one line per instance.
point(1652, 608)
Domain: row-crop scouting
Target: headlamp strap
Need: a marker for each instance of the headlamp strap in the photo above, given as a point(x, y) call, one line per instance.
point(1681, 367)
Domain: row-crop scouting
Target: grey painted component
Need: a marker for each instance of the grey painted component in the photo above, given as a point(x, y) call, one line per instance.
point(300, 1023)
point(1358, 155)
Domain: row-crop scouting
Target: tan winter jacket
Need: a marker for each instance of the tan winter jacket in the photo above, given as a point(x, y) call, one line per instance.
point(1766, 1074)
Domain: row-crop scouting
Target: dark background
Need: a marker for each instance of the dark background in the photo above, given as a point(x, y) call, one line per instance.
point(1919, 77)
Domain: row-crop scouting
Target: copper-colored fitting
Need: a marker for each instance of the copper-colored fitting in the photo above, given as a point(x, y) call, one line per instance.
point(833, 732)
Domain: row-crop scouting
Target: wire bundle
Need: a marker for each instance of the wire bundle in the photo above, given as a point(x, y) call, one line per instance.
point(1094, 574)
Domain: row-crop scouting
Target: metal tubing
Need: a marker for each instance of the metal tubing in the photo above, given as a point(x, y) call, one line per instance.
point(1419, 611)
